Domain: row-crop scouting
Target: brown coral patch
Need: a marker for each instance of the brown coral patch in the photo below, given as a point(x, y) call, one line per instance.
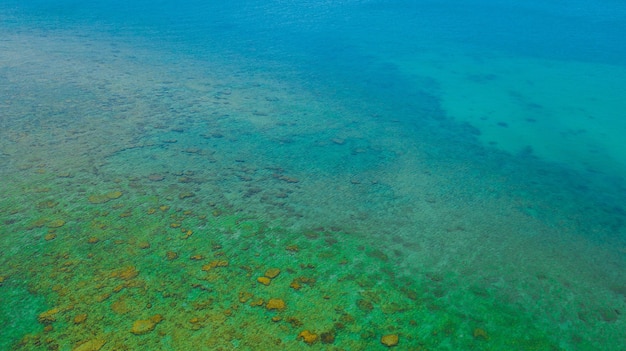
point(272, 273)
point(49, 316)
point(276, 304)
point(144, 326)
point(390, 340)
point(308, 337)
point(264, 280)
point(90, 345)
point(126, 273)
point(57, 223)
point(80, 318)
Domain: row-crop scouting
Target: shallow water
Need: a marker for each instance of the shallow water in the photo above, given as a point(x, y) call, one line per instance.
point(278, 175)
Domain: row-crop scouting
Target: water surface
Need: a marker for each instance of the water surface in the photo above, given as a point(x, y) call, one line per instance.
point(271, 175)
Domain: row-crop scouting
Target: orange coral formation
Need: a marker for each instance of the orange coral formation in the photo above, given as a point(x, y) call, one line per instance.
point(308, 337)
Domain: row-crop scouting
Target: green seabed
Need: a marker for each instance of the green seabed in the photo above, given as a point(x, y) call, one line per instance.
point(141, 271)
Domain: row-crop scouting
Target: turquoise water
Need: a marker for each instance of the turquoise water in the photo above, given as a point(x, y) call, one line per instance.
point(347, 175)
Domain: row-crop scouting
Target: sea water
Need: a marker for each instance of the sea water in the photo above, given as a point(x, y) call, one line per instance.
point(324, 175)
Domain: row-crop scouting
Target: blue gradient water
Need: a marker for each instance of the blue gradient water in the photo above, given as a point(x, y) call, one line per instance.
point(451, 173)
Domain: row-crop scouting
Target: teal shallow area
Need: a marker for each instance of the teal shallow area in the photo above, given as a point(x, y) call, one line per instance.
point(354, 175)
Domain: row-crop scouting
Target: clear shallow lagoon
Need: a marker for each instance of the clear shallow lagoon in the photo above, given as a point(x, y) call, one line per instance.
point(321, 175)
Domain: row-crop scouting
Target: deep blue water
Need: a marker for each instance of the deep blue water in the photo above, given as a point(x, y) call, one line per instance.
point(579, 30)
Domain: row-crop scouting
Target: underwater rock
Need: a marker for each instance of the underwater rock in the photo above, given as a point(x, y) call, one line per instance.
point(120, 306)
point(171, 255)
point(93, 240)
point(186, 195)
point(257, 302)
point(155, 177)
point(609, 315)
point(48, 316)
point(480, 333)
point(126, 273)
point(328, 337)
point(295, 284)
point(264, 280)
point(272, 273)
point(392, 307)
point(50, 236)
point(295, 322)
point(103, 297)
point(347, 318)
point(100, 199)
point(390, 340)
point(57, 223)
point(365, 305)
point(308, 337)
point(157, 318)
point(47, 204)
point(192, 150)
point(285, 178)
point(37, 224)
point(114, 194)
point(378, 254)
point(91, 345)
point(290, 179)
point(80, 318)
point(188, 234)
point(144, 326)
point(276, 304)
point(244, 296)
point(214, 264)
